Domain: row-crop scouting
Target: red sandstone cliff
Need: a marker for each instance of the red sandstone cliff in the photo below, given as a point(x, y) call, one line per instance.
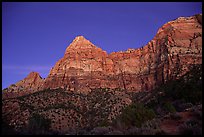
point(176, 45)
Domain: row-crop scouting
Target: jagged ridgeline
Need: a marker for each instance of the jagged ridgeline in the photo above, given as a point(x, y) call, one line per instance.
point(84, 66)
point(91, 92)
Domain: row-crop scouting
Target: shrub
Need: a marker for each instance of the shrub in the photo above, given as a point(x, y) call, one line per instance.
point(134, 115)
point(188, 87)
point(198, 114)
point(190, 127)
point(38, 124)
point(176, 116)
point(7, 129)
point(104, 123)
point(169, 107)
point(153, 124)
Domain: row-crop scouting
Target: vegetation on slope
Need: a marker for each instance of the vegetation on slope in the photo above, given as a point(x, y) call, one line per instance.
point(48, 107)
point(134, 115)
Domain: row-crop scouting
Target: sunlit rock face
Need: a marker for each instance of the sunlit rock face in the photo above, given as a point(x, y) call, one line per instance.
point(176, 46)
point(82, 63)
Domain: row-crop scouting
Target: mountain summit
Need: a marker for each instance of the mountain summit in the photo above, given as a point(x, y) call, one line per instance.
point(80, 42)
point(176, 46)
point(34, 75)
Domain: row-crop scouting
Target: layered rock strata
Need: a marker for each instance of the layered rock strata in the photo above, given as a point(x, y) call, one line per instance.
point(176, 46)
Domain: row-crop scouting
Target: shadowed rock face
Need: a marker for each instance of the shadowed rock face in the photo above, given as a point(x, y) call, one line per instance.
point(176, 46)
point(32, 83)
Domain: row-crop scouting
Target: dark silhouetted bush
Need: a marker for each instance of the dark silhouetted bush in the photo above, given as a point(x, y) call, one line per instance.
point(188, 87)
point(38, 124)
point(104, 123)
point(169, 107)
point(176, 116)
point(134, 115)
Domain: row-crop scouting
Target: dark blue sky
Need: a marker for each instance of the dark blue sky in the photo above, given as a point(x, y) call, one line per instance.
point(35, 35)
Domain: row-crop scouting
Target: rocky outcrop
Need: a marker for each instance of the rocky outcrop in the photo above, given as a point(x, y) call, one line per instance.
point(82, 61)
point(176, 46)
point(33, 82)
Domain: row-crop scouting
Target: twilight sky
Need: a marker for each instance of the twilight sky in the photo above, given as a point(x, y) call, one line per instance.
point(35, 35)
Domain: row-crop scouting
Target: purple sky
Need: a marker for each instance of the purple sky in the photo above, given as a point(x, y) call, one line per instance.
point(35, 35)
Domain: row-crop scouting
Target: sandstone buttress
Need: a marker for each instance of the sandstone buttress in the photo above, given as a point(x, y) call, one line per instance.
point(176, 46)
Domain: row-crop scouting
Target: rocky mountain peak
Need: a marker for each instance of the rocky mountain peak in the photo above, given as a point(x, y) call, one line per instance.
point(80, 43)
point(84, 66)
point(79, 38)
point(33, 75)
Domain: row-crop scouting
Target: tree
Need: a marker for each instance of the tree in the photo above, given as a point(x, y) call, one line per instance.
point(38, 124)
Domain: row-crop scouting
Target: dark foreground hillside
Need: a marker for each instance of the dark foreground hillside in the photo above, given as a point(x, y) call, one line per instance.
point(173, 108)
